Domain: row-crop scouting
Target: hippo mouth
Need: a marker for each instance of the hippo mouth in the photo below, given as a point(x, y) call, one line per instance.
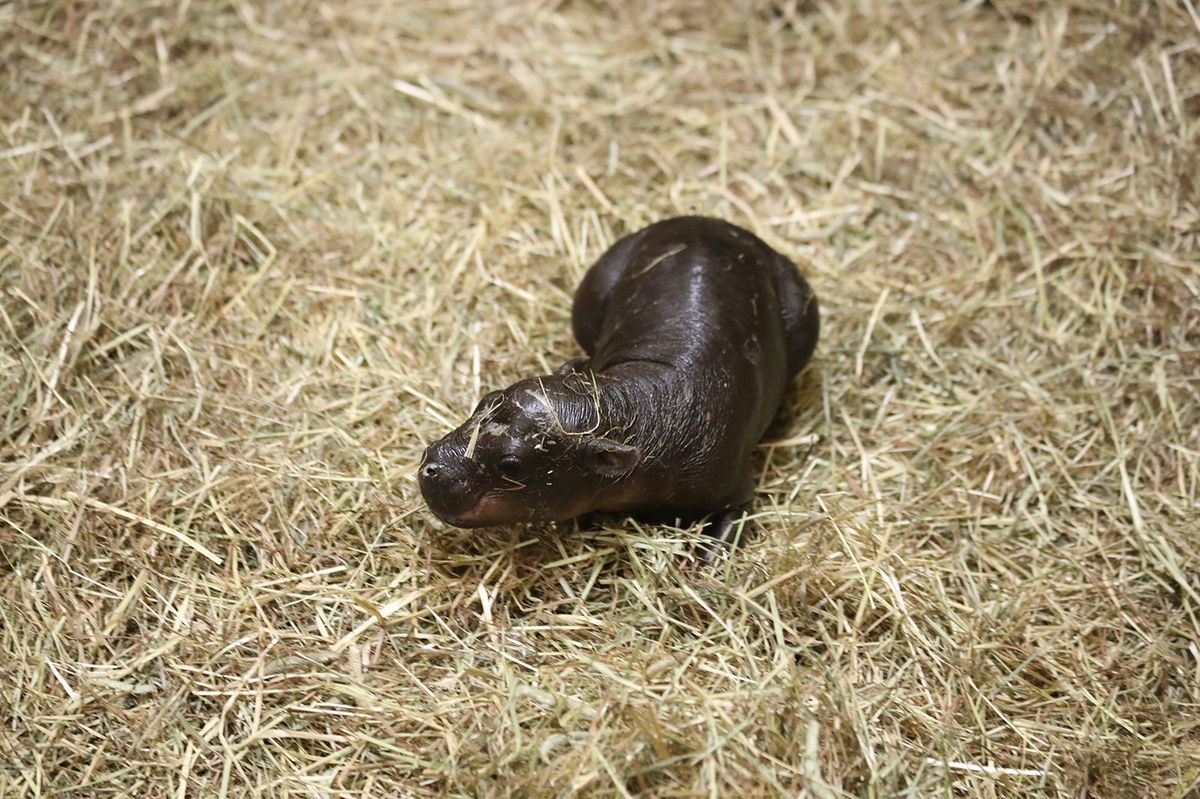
point(489, 511)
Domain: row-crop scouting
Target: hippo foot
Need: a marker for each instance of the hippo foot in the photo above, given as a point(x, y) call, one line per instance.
point(723, 533)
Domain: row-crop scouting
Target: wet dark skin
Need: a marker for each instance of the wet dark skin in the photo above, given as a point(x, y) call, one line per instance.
point(693, 328)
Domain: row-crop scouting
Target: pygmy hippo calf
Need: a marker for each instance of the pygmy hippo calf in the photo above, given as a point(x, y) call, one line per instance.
point(692, 328)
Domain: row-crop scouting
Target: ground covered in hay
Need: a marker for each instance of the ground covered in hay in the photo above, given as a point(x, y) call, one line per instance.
point(254, 254)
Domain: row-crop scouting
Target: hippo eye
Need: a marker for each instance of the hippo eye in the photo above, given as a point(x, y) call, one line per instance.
point(510, 466)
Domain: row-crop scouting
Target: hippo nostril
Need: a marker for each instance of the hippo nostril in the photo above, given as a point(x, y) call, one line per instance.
point(448, 489)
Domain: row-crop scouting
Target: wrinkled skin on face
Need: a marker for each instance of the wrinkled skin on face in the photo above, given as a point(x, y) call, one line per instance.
point(533, 452)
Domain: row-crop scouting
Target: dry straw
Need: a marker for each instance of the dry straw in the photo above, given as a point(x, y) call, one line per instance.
point(254, 254)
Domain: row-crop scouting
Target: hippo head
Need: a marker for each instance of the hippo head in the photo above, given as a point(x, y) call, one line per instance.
point(537, 451)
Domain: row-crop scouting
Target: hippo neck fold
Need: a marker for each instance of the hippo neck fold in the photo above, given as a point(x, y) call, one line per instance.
point(639, 401)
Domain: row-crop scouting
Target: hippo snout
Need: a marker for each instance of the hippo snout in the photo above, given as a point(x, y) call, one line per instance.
point(451, 485)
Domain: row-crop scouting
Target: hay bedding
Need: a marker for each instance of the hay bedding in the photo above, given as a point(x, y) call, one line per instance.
point(255, 254)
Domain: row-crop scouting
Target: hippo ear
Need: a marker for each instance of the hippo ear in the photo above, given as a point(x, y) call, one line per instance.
point(610, 458)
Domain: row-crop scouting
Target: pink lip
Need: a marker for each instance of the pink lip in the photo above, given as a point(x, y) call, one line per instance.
point(484, 514)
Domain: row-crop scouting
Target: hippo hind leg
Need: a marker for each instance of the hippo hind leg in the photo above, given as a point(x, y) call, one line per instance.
point(587, 311)
point(801, 317)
